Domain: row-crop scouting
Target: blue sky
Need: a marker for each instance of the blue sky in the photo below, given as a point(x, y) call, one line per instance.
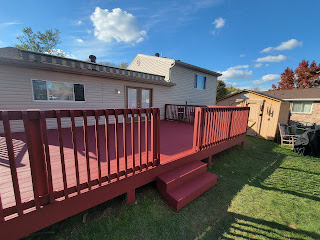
point(250, 41)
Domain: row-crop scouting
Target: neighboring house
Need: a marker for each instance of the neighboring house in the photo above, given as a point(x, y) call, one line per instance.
point(305, 103)
point(30, 80)
point(265, 111)
point(193, 85)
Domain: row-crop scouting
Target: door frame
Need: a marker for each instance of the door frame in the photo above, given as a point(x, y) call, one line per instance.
point(139, 95)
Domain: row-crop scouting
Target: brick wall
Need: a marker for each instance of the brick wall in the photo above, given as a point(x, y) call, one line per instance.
point(313, 117)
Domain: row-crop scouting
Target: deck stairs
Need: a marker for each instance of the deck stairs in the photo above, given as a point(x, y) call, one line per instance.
point(180, 186)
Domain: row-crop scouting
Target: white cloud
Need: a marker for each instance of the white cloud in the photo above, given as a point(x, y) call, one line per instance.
point(236, 72)
point(60, 52)
point(288, 45)
point(79, 22)
point(116, 24)
point(267, 78)
point(79, 40)
point(242, 55)
point(219, 22)
point(270, 58)
point(257, 65)
point(268, 49)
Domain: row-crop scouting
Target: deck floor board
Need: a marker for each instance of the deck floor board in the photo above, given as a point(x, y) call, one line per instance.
point(175, 142)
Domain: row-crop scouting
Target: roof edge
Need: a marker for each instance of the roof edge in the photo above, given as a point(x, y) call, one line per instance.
point(254, 92)
point(199, 69)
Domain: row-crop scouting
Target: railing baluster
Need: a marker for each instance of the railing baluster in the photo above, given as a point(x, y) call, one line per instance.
point(63, 166)
point(86, 146)
point(98, 152)
point(133, 142)
point(47, 154)
point(107, 143)
point(12, 161)
point(124, 130)
point(139, 139)
point(1, 211)
point(116, 139)
point(75, 149)
point(158, 136)
point(146, 137)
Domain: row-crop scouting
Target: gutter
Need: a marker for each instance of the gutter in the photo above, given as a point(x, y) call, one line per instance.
point(303, 99)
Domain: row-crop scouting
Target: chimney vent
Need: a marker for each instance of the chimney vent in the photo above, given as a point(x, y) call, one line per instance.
point(157, 54)
point(92, 58)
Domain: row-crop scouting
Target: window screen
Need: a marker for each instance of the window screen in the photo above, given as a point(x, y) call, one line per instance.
point(39, 90)
point(301, 107)
point(199, 82)
point(79, 92)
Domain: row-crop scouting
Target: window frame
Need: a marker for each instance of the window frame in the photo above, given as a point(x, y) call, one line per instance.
point(59, 101)
point(303, 102)
point(195, 82)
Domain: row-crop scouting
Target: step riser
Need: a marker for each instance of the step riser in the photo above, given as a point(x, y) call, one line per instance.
point(178, 181)
point(195, 194)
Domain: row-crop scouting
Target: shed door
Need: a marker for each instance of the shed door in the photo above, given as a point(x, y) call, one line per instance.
point(268, 123)
point(254, 120)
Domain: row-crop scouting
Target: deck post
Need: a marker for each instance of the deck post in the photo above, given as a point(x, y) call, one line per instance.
point(196, 131)
point(154, 135)
point(131, 196)
point(35, 142)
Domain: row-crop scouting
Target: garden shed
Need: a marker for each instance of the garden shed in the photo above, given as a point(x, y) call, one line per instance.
point(265, 111)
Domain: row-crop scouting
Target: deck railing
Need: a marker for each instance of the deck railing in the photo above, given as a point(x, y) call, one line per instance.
point(134, 131)
point(181, 113)
point(215, 124)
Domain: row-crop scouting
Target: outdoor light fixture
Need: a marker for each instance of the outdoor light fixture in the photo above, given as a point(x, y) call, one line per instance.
point(117, 90)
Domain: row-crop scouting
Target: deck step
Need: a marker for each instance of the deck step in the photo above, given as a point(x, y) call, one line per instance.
point(182, 185)
point(175, 177)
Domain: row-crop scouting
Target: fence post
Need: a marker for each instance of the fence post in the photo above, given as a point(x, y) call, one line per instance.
point(36, 153)
point(196, 129)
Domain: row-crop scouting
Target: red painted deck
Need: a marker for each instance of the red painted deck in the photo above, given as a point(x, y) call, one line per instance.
point(176, 141)
point(56, 173)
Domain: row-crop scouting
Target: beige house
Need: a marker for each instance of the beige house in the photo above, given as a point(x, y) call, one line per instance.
point(193, 85)
point(30, 80)
point(265, 112)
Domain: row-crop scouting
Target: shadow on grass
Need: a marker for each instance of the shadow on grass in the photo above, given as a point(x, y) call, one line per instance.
point(207, 217)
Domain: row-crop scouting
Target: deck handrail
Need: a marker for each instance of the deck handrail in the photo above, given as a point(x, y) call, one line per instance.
point(215, 124)
point(180, 112)
point(36, 133)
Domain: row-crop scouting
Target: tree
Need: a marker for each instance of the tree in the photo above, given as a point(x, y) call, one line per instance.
point(304, 76)
point(307, 76)
point(222, 91)
point(42, 42)
point(123, 65)
point(287, 79)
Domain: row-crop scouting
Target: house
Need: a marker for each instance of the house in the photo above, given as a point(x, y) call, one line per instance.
point(265, 111)
point(193, 85)
point(30, 80)
point(94, 133)
point(305, 103)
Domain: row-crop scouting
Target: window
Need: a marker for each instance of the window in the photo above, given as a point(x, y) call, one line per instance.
point(199, 82)
point(57, 91)
point(301, 107)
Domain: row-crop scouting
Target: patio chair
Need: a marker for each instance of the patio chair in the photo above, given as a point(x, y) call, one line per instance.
point(286, 138)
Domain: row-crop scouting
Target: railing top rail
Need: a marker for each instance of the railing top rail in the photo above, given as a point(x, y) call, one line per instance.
point(209, 106)
point(35, 114)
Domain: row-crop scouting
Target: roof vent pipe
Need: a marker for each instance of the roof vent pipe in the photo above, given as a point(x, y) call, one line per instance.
point(157, 54)
point(92, 58)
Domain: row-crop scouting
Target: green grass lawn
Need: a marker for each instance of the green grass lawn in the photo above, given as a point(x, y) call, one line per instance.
point(264, 191)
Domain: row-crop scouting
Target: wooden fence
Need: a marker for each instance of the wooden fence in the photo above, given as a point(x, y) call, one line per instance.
point(214, 125)
point(181, 113)
point(116, 121)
